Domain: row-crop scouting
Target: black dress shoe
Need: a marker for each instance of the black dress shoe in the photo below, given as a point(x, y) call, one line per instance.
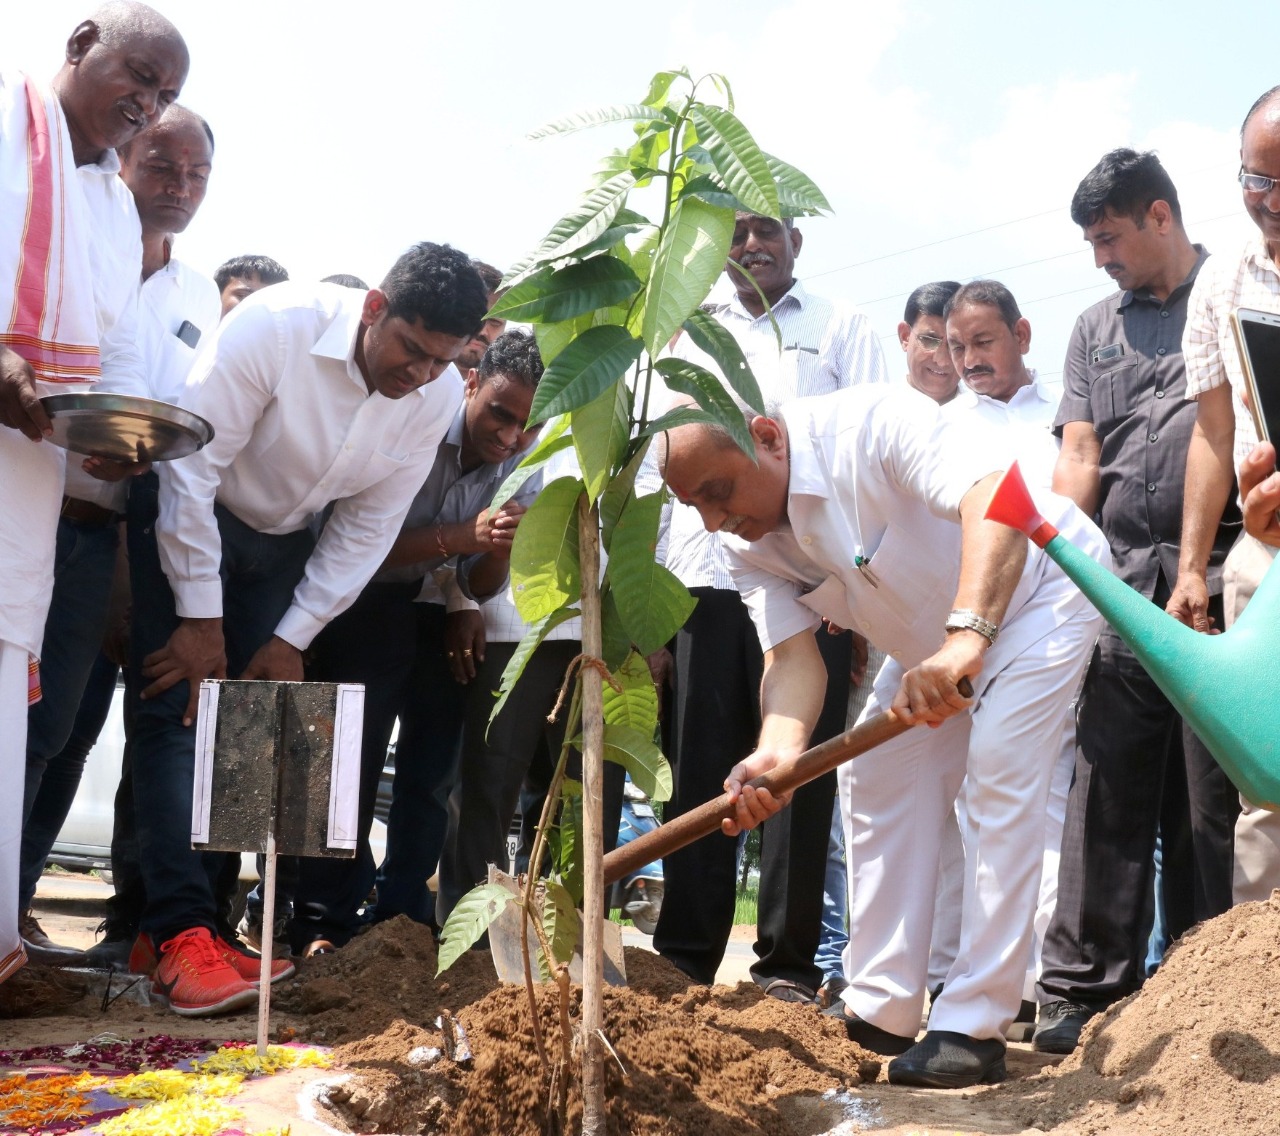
point(870, 1037)
point(1059, 1025)
point(945, 1060)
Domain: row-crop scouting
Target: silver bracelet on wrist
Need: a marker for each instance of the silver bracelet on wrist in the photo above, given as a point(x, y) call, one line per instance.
point(965, 620)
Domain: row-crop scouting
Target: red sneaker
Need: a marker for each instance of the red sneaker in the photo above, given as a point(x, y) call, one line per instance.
point(196, 979)
point(249, 967)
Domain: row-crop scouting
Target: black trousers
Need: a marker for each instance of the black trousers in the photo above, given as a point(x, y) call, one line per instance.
point(495, 759)
point(374, 642)
point(715, 724)
point(1140, 769)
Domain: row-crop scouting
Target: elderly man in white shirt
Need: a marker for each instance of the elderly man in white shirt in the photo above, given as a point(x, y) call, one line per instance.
point(318, 395)
point(69, 260)
point(988, 338)
point(165, 171)
point(824, 347)
point(861, 511)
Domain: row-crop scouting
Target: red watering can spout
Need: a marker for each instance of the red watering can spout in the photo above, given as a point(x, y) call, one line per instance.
point(1011, 505)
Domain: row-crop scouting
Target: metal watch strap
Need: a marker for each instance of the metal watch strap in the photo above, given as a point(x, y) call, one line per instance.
point(965, 620)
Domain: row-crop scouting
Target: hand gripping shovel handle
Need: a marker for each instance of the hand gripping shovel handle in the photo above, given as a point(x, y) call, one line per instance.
point(674, 834)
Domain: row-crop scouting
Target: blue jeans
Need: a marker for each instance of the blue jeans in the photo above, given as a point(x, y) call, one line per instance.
point(62, 778)
point(835, 904)
point(259, 574)
point(427, 753)
point(82, 569)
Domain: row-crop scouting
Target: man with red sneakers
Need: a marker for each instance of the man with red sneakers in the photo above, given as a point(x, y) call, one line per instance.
point(319, 396)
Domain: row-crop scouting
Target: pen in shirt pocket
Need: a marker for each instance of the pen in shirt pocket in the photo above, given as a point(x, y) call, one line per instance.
point(863, 565)
point(800, 347)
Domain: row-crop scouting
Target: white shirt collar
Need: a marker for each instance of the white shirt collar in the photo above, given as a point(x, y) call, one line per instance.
point(338, 342)
point(805, 474)
point(797, 295)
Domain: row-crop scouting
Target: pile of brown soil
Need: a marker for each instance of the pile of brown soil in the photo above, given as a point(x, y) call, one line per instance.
point(386, 974)
point(1196, 1052)
point(712, 1061)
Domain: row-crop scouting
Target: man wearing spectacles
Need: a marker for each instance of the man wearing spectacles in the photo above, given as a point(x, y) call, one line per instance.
point(1224, 436)
point(1125, 426)
point(923, 336)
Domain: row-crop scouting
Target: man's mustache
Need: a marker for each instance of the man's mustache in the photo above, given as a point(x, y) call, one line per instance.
point(756, 260)
point(969, 371)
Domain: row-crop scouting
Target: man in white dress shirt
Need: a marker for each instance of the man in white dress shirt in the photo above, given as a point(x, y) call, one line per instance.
point(69, 266)
point(865, 510)
point(318, 394)
point(716, 676)
point(166, 169)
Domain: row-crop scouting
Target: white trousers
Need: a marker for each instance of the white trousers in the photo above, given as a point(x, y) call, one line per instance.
point(1257, 835)
point(13, 769)
point(896, 801)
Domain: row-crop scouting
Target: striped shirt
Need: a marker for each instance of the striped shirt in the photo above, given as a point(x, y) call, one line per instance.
point(825, 347)
point(1208, 345)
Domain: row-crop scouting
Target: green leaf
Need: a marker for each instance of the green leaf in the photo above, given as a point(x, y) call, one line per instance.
point(594, 214)
point(690, 258)
point(550, 443)
point(594, 361)
point(636, 705)
point(711, 336)
point(647, 153)
point(722, 85)
point(707, 189)
point(615, 642)
point(583, 120)
point(470, 919)
point(625, 224)
point(555, 337)
point(688, 378)
point(544, 555)
point(569, 833)
point(652, 603)
point(620, 490)
point(531, 641)
point(681, 416)
point(637, 753)
point(738, 160)
point(600, 431)
point(660, 84)
point(560, 921)
point(552, 296)
point(796, 191)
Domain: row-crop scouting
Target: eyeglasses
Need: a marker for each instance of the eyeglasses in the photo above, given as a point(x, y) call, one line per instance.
point(1256, 183)
point(927, 341)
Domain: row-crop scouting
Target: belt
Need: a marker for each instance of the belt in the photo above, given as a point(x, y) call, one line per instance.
point(87, 513)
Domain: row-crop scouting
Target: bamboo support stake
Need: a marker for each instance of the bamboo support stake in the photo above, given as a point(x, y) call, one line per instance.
point(593, 1104)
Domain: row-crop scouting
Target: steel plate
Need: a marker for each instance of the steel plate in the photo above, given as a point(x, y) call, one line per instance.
point(124, 428)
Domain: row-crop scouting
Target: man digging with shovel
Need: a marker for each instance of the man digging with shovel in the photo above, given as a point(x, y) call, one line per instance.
point(861, 507)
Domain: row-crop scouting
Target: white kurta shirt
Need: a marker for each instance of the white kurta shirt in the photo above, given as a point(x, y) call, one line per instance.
point(170, 297)
point(1028, 416)
point(295, 429)
point(825, 347)
point(877, 475)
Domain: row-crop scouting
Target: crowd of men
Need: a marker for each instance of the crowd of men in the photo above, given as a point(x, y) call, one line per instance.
point(1013, 863)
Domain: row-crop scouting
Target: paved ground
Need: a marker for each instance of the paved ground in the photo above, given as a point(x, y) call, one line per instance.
point(70, 905)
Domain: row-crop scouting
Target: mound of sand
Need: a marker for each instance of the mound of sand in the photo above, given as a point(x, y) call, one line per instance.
point(1196, 1052)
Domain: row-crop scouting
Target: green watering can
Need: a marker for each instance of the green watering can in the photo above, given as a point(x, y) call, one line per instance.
point(1224, 685)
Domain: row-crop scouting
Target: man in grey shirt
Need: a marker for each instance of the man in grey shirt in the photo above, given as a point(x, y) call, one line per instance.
point(1125, 427)
point(396, 647)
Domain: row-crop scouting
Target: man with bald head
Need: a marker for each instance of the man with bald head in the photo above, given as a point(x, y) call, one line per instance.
point(70, 254)
point(1224, 438)
point(865, 508)
point(166, 169)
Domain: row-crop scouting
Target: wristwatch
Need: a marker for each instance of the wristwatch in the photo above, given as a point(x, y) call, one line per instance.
point(965, 620)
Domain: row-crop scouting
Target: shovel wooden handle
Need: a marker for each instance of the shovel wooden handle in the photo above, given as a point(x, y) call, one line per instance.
point(782, 778)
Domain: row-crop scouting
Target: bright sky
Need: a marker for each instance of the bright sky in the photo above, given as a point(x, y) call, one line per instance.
point(949, 138)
